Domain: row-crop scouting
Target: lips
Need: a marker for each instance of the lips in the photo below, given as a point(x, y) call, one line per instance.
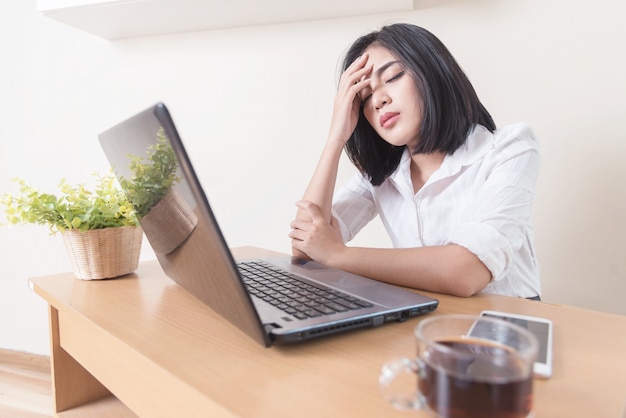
point(388, 119)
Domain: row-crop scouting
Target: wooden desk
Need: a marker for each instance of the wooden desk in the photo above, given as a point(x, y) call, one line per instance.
point(142, 345)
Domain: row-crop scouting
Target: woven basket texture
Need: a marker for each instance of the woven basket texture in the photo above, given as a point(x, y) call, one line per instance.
point(104, 253)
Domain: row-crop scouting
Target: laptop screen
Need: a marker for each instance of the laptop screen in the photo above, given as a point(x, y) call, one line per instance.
point(152, 166)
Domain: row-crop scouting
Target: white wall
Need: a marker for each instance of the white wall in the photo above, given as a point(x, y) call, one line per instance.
point(253, 105)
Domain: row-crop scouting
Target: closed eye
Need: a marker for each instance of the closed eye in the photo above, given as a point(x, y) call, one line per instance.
point(395, 77)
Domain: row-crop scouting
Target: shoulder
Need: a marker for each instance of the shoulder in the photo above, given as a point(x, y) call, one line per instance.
point(358, 183)
point(504, 142)
point(515, 142)
point(517, 137)
point(509, 140)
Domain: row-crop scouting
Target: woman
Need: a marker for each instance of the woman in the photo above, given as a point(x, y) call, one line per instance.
point(454, 193)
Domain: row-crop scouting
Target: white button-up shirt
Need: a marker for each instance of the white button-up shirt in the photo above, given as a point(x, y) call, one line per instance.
point(480, 198)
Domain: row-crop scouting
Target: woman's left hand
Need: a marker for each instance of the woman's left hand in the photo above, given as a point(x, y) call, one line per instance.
point(316, 238)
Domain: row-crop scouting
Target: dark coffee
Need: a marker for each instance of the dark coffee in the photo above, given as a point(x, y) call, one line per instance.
point(457, 386)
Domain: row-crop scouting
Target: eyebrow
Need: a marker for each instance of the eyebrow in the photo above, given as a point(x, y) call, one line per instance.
point(382, 68)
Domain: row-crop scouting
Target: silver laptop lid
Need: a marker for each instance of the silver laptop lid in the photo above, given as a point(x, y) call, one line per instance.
point(149, 160)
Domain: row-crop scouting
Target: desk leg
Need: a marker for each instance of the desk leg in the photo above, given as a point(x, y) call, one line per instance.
point(72, 385)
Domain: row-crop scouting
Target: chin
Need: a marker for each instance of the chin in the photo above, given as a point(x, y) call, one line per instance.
point(396, 142)
point(397, 139)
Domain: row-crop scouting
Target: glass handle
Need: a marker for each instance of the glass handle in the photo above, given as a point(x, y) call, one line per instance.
point(398, 383)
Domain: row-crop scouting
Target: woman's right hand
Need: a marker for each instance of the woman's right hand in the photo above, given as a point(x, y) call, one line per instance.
point(347, 101)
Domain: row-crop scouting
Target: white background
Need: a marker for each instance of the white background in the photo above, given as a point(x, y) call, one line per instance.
point(253, 106)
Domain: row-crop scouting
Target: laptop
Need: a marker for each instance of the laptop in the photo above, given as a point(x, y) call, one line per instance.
point(281, 299)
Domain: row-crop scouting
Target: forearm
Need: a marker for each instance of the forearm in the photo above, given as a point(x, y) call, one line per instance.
point(322, 184)
point(449, 269)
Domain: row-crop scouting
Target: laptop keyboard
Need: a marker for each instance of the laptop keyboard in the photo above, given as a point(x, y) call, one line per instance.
point(293, 295)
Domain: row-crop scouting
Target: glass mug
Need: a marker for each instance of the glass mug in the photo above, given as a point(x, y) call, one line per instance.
point(466, 366)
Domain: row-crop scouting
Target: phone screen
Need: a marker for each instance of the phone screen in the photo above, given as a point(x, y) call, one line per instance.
point(540, 327)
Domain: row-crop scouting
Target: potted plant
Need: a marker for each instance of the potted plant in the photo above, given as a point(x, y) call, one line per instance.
point(164, 214)
point(99, 228)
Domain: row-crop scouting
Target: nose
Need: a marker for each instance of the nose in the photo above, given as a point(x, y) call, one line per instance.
point(380, 99)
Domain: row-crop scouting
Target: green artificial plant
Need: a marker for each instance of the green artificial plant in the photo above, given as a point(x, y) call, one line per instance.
point(75, 208)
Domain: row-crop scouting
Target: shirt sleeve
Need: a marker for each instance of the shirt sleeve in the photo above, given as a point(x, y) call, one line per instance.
point(499, 219)
point(353, 207)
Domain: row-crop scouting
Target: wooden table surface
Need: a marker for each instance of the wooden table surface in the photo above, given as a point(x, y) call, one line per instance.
point(161, 352)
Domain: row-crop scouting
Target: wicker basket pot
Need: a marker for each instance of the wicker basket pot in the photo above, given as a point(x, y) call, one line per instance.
point(104, 253)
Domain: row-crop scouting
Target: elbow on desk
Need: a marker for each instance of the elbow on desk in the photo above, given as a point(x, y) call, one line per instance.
point(467, 287)
point(465, 292)
point(478, 276)
point(466, 279)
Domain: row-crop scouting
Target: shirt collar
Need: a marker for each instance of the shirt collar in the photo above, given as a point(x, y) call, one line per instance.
point(479, 142)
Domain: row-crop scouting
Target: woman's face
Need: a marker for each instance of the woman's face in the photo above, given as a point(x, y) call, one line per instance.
point(391, 103)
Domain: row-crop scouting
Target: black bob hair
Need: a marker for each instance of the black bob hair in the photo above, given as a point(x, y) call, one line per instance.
point(450, 104)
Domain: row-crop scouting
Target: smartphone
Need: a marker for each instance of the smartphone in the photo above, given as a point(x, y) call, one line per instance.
point(540, 327)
